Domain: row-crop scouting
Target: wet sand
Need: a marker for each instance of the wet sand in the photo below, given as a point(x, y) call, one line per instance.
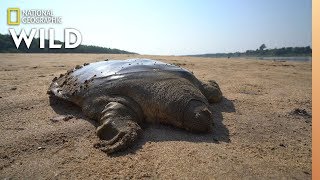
point(262, 126)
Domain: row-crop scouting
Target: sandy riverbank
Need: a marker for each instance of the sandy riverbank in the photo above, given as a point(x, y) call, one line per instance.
point(258, 133)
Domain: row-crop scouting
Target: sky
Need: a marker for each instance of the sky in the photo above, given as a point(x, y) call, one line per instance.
point(176, 27)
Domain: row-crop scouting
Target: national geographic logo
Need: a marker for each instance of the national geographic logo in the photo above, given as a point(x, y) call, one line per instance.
point(15, 16)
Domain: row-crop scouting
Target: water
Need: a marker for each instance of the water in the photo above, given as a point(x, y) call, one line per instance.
point(285, 58)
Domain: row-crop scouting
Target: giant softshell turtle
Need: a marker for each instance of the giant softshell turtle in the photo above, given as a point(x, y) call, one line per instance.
point(121, 94)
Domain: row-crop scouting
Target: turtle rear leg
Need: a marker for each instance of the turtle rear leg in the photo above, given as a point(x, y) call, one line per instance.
point(119, 128)
point(211, 91)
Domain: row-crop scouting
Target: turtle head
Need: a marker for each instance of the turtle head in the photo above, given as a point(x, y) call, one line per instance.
point(197, 117)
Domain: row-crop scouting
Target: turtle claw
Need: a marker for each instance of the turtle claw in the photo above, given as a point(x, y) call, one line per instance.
point(212, 91)
point(120, 141)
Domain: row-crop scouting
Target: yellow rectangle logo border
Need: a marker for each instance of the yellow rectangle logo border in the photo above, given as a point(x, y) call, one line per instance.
point(9, 22)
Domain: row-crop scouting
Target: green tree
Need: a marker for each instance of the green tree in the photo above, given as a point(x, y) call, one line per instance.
point(262, 47)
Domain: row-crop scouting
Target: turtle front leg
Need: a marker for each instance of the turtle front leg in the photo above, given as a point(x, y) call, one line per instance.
point(119, 128)
point(211, 91)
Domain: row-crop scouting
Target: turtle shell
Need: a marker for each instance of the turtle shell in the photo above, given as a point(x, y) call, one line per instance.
point(77, 79)
point(114, 69)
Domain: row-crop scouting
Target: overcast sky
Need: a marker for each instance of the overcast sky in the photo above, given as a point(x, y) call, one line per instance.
point(177, 27)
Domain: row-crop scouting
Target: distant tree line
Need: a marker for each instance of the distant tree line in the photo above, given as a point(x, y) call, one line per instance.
point(7, 46)
point(262, 51)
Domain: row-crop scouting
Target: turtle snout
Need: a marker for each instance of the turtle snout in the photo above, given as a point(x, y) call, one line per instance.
point(197, 117)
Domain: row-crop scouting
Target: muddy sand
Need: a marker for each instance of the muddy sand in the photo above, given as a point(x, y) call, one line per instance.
point(262, 126)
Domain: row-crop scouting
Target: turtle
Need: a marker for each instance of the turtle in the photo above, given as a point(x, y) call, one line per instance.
point(120, 95)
